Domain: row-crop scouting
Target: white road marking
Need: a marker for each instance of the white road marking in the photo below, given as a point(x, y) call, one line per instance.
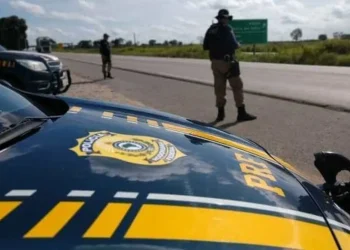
point(81, 193)
point(128, 195)
point(243, 204)
point(21, 192)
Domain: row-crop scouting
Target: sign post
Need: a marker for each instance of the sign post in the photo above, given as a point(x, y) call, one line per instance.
point(250, 31)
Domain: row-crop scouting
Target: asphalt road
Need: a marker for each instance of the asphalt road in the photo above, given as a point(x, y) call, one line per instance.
point(327, 86)
point(290, 130)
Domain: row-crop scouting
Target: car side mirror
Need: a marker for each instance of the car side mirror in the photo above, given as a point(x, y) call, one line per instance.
point(330, 164)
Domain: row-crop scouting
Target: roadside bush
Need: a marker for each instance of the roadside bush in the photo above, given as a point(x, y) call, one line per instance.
point(285, 58)
point(337, 46)
point(308, 56)
point(269, 58)
point(344, 60)
point(328, 59)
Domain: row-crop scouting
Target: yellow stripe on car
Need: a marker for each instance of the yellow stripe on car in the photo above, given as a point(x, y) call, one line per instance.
point(166, 222)
point(153, 123)
point(55, 220)
point(6, 207)
point(108, 221)
point(343, 238)
point(107, 115)
point(75, 109)
point(131, 119)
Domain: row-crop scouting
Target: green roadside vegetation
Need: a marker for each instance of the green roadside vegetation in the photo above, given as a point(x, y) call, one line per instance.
point(331, 52)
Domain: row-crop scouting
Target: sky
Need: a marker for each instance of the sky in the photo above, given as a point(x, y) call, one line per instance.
point(185, 20)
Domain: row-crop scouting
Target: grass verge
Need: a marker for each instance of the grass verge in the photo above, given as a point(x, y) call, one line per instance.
point(331, 52)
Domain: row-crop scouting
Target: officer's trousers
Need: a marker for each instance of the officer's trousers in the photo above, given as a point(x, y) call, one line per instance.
point(106, 63)
point(220, 68)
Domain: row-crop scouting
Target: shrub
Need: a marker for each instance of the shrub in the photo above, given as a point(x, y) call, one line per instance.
point(328, 59)
point(308, 56)
point(337, 46)
point(285, 58)
point(344, 60)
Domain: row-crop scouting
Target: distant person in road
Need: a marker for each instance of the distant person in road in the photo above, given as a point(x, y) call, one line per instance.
point(105, 52)
point(221, 43)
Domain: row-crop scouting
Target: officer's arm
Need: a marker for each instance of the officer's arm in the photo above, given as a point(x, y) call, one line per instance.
point(206, 41)
point(235, 42)
point(101, 47)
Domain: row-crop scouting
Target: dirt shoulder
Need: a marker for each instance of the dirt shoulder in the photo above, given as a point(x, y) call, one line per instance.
point(97, 90)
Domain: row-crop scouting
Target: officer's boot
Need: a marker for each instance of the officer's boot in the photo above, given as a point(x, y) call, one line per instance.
point(243, 115)
point(104, 75)
point(109, 75)
point(221, 114)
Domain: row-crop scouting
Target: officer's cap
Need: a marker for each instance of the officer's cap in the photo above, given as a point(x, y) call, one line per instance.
point(223, 13)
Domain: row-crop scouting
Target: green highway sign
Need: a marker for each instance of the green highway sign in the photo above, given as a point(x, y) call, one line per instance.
point(250, 31)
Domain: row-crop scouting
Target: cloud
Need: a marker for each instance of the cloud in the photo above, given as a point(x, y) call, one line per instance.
point(76, 16)
point(64, 33)
point(86, 4)
point(41, 30)
point(106, 18)
point(179, 19)
point(176, 169)
point(186, 21)
point(341, 11)
point(295, 4)
point(292, 19)
point(73, 16)
point(28, 7)
point(227, 4)
point(117, 31)
point(89, 30)
point(38, 31)
point(167, 29)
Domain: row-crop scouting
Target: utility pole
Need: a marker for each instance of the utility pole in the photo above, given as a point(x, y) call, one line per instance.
point(134, 39)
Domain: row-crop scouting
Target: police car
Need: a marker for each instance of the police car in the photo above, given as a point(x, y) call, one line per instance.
point(81, 174)
point(35, 72)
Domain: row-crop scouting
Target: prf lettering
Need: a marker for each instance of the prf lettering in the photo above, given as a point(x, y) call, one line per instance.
point(257, 174)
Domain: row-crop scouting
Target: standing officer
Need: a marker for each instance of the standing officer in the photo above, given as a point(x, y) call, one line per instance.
point(105, 52)
point(221, 43)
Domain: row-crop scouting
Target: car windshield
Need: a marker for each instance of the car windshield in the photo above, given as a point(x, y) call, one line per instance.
point(14, 108)
point(2, 48)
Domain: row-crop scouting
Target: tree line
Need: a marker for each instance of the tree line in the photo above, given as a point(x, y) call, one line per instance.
point(121, 42)
point(297, 34)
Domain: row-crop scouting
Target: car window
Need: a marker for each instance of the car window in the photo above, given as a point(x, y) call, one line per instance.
point(14, 108)
point(2, 48)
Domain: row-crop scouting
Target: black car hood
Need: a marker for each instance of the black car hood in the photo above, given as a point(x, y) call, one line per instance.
point(28, 55)
point(121, 177)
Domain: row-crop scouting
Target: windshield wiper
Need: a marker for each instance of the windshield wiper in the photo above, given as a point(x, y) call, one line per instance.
point(31, 119)
point(17, 131)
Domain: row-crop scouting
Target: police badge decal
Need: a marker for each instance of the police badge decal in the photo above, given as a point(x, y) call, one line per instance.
point(141, 150)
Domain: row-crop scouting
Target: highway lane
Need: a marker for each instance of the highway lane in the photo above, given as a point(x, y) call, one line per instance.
point(318, 84)
point(290, 130)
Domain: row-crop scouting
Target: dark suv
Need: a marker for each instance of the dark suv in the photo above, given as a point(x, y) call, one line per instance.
point(34, 72)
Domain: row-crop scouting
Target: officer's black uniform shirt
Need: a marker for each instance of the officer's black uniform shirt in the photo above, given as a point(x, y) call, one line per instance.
point(220, 41)
point(105, 48)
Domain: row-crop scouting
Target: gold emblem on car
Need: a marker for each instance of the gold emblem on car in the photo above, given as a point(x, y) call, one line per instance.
point(142, 150)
